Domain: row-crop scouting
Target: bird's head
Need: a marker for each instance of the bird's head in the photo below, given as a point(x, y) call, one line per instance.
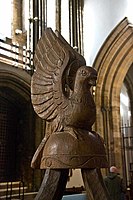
point(87, 76)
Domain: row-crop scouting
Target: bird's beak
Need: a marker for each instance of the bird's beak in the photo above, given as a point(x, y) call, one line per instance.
point(92, 80)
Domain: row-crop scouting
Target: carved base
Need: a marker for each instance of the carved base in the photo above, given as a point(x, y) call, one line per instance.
point(74, 149)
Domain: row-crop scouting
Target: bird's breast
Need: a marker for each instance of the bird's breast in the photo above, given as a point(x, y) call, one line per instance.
point(83, 101)
point(82, 111)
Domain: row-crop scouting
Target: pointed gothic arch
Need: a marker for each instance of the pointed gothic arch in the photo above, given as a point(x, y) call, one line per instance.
point(112, 63)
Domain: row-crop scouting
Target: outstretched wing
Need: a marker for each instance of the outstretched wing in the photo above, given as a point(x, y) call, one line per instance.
point(54, 58)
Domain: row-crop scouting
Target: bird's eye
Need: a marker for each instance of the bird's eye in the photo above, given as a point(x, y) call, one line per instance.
point(83, 72)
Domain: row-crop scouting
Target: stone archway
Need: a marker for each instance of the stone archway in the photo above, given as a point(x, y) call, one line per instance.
point(112, 63)
point(16, 124)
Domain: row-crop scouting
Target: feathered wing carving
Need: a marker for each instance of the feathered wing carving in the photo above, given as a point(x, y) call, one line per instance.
point(56, 63)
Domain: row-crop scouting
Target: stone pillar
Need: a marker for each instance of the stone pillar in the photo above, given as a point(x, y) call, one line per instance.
point(17, 29)
point(117, 135)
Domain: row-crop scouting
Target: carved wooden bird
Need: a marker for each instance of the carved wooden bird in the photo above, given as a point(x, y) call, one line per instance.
point(60, 93)
point(60, 85)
